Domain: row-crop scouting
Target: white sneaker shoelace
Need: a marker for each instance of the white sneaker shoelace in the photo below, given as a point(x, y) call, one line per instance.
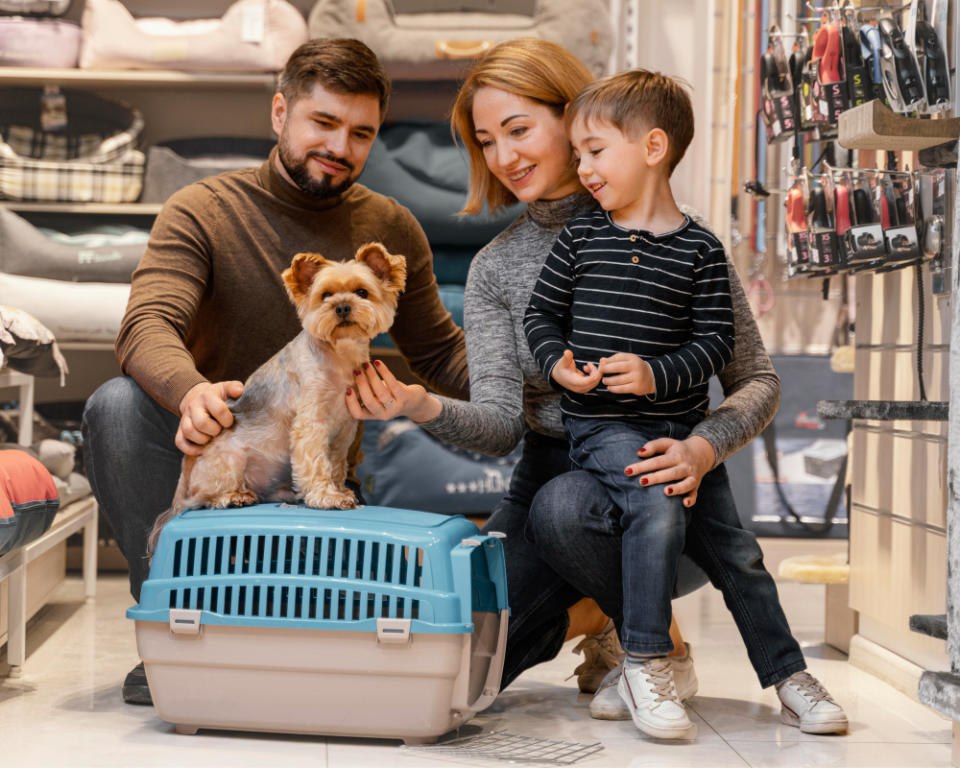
point(660, 676)
point(809, 687)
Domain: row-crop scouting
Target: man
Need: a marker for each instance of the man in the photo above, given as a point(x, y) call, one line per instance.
point(207, 305)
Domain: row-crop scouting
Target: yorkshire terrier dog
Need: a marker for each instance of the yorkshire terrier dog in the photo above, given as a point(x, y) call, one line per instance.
point(292, 430)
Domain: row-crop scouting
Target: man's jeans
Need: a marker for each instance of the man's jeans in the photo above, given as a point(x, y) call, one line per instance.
point(132, 464)
point(579, 538)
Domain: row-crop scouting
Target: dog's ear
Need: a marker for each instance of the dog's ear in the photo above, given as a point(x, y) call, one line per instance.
point(390, 268)
point(298, 277)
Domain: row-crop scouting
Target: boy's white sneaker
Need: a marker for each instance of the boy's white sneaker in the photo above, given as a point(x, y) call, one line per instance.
point(808, 706)
point(650, 694)
point(607, 704)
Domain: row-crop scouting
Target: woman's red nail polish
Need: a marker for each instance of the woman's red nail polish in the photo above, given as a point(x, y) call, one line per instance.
point(628, 471)
point(349, 391)
point(366, 365)
point(669, 491)
point(378, 363)
point(643, 481)
point(356, 371)
point(642, 450)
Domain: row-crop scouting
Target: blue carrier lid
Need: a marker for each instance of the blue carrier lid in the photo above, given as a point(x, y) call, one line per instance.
point(280, 565)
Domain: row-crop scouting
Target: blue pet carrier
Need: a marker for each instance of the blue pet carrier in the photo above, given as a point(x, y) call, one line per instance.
point(371, 622)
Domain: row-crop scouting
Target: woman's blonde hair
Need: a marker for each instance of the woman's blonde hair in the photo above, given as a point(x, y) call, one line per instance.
point(526, 66)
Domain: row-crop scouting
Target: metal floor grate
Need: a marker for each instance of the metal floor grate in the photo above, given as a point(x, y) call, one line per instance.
point(500, 745)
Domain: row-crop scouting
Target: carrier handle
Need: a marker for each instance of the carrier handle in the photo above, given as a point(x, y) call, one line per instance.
point(462, 49)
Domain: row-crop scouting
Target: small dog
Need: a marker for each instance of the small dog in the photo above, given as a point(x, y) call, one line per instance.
point(292, 430)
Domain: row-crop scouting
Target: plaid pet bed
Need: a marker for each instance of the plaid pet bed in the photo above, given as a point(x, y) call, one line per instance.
point(93, 158)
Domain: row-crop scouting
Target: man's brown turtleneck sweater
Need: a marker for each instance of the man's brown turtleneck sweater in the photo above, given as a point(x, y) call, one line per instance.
point(207, 301)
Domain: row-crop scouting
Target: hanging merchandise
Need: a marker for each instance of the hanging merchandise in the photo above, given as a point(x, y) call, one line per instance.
point(829, 87)
point(854, 68)
point(798, 234)
point(930, 55)
point(897, 215)
point(863, 240)
point(778, 107)
point(901, 78)
point(872, 52)
point(823, 236)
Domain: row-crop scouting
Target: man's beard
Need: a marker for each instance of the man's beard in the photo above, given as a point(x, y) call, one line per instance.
point(321, 188)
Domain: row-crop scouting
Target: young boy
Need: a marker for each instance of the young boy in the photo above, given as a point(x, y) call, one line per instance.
point(644, 291)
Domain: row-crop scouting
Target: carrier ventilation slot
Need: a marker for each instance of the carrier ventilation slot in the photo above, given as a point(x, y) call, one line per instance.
point(336, 557)
point(331, 556)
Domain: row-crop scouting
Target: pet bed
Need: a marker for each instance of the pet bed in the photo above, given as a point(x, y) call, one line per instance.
point(28, 499)
point(404, 34)
point(69, 146)
point(252, 36)
point(40, 7)
point(74, 312)
point(371, 622)
point(29, 252)
point(172, 165)
point(38, 43)
point(421, 167)
point(404, 466)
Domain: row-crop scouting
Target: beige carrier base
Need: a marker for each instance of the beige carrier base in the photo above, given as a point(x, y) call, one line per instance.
point(390, 684)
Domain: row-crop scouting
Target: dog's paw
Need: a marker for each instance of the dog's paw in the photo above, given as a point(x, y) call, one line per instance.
point(330, 499)
point(233, 499)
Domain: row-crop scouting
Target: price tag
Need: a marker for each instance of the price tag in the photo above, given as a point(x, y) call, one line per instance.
point(53, 109)
point(252, 24)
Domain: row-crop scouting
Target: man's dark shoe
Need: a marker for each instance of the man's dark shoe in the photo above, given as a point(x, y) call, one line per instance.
point(135, 688)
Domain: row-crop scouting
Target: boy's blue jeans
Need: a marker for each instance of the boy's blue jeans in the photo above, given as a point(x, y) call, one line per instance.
point(656, 528)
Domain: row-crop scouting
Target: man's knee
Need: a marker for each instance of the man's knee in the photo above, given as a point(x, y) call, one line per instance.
point(111, 403)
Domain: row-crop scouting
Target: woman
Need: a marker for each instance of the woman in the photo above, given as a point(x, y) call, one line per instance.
point(562, 537)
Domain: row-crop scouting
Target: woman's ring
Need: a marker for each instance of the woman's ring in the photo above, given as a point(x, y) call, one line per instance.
point(389, 402)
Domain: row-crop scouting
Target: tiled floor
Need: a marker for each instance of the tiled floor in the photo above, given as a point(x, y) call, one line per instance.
point(67, 711)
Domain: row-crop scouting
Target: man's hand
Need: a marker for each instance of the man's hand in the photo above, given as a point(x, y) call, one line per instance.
point(568, 376)
point(624, 373)
point(204, 414)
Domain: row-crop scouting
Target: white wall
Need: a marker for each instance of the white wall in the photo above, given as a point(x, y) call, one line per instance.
point(676, 38)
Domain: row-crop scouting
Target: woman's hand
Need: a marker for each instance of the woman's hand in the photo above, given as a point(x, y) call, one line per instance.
point(378, 395)
point(682, 463)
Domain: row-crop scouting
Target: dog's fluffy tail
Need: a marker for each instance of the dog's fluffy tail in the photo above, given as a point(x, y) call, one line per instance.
point(179, 504)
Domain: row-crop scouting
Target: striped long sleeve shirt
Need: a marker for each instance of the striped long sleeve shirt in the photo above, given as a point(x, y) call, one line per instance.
point(665, 298)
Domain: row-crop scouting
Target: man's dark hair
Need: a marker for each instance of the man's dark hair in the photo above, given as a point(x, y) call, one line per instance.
point(341, 65)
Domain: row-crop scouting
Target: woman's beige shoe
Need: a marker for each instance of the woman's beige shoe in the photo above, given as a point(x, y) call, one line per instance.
point(601, 653)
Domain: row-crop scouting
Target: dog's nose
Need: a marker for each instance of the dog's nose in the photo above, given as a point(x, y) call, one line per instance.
point(343, 311)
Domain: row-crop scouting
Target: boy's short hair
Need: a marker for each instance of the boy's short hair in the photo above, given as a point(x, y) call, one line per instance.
point(639, 100)
point(341, 65)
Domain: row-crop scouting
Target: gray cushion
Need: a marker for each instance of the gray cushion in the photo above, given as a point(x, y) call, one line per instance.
point(26, 251)
point(420, 167)
point(175, 164)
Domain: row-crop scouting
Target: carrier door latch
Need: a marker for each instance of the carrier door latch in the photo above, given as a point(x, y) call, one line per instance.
point(185, 621)
point(393, 630)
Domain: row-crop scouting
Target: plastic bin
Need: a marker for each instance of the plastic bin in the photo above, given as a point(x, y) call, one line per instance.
point(375, 622)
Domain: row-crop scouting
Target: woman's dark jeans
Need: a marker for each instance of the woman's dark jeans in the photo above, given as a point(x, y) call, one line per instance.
point(564, 543)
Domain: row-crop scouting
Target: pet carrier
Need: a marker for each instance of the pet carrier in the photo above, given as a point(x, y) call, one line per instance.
point(373, 622)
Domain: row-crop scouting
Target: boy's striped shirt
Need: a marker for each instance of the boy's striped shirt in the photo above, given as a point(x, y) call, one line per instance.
point(666, 298)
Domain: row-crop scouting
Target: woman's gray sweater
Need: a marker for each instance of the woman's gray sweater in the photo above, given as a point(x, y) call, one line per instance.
point(507, 390)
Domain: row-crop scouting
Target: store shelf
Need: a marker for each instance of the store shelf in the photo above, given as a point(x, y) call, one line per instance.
point(884, 410)
point(875, 126)
point(121, 78)
point(111, 209)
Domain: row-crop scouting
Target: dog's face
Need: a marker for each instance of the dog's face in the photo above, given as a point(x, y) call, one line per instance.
point(339, 300)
